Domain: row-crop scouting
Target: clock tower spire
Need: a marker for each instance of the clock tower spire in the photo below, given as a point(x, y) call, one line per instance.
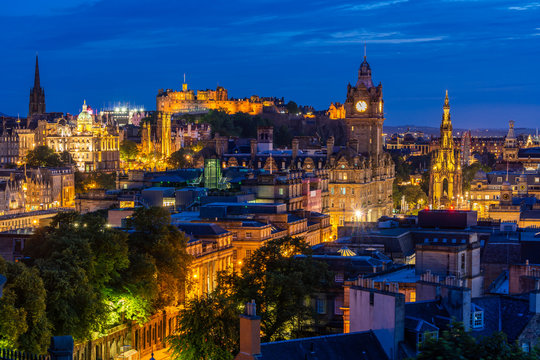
point(364, 112)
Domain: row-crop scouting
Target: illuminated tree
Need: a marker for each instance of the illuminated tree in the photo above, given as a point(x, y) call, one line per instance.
point(128, 150)
point(23, 320)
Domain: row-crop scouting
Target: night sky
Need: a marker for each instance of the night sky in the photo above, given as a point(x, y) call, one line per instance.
point(486, 53)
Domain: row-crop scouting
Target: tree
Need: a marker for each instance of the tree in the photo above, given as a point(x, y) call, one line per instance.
point(182, 158)
point(155, 242)
point(283, 136)
point(292, 108)
point(80, 261)
point(43, 156)
point(456, 343)
point(194, 339)
point(66, 158)
point(128, 150)
point(279, 282)
point(94, 180)
point(23, 324)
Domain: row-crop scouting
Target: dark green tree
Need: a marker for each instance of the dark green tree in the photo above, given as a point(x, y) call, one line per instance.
point(283, 136)
point(456, 343)
point(155, 242)
point(43, 156)
point(23, 320)
point(181, 159)
point(128, 150)
point(280, 283)
point(194, 339)
point(292, 108)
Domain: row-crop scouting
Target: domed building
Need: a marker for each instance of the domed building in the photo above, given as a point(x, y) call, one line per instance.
point(92, 145)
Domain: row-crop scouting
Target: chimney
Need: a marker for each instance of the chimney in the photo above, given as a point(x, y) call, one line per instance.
point(329, 147)
point(534, 299)
point(253, 144)
point(295, 143)
point(250, 333)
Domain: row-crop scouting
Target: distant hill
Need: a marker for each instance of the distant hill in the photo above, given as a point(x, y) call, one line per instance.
point(435, 131)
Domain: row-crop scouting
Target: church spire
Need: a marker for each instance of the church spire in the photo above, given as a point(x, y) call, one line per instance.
point(36, 74)
point(37, 95)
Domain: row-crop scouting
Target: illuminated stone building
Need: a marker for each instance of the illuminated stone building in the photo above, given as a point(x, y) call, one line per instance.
point(36, 189)
point(445, 176)
point(15, 144)
point(92, 145)
point(336, 111)
point(187, 101)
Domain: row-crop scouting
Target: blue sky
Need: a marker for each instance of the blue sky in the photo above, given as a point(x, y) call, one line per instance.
point(486, 53)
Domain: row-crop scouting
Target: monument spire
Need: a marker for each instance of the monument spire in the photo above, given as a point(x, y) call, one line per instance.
point(36, 74)
point(37, 95)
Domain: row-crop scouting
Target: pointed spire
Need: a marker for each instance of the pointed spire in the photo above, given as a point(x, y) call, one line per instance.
point(365, 51)
point(36, 74)
point(446, 101)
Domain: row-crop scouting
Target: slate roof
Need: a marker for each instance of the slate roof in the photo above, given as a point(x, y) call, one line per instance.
point(356, 345)
point(508, 252)
point(430, 311)
point(503, 313)
point(201, 229)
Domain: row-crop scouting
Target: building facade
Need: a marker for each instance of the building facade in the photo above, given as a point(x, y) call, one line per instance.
point(92, 145)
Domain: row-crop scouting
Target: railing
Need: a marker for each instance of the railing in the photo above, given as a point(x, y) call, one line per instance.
point(6, 354)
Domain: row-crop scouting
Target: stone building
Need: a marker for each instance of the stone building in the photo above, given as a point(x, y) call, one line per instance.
point(92, 145)
point(445, 175)
point(15, 145)
point(187, 101)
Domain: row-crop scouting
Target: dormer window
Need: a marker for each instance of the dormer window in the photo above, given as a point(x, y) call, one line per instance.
point(477, 317)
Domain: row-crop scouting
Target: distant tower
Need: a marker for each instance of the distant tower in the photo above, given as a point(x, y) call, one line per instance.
point(364, 115)
point(164, 133)
point(37, 95)
point(445, 175)
point(510, 150)
point(265, 138)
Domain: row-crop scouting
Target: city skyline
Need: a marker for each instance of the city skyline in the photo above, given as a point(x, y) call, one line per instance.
point(304, 53)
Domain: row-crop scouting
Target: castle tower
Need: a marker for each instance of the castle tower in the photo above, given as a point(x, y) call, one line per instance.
point(164, 133)
point(445, 176)
point(510, 150)
point(37, 95)
point(364, 112)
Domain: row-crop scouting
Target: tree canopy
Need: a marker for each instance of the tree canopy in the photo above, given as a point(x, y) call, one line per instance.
point(182, 158)
point(239, 124)
point(456, 343)
point(46, 157)
point(23, 323)
point(128, 150)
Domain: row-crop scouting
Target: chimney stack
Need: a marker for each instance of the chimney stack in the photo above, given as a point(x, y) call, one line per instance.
point(329, 147)
point(253, 144)
point(250, 333)
point(295, 144)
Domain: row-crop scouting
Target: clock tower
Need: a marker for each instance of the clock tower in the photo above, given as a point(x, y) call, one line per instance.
point(364, 112)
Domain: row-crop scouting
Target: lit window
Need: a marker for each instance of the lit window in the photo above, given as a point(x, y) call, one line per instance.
point(248, 235)
point(343, 191)
point(487, 197)
point(280, 191)
point(525, 347)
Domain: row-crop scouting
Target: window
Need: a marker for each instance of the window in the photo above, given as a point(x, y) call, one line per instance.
point(338, 278)
point(499, 179)
point(477, 317)
point(371, 298)
point(280, 191)
point(343, 191)
point(525, 347)
point(332, 190)
point(248, 235)
point(463, 262)
point(341, 221)
point(321, 306)
point(248, 254)
point(537, 180)
point(487, 197)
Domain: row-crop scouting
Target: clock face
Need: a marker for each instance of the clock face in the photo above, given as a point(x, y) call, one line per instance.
point(361, 106)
